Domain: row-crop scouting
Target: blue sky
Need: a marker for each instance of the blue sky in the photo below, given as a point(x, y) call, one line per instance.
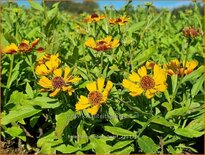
point(120, 3)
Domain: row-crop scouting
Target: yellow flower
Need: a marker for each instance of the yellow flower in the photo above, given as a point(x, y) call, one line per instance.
point(58, 82)
point(175, 67)
point(103, 44)
point(97, 96)
point(47, 64)
point(94, 18)
point(25, 46)
point(120, 21)
point(142, 82)
point(150, 64)
point(10, 49)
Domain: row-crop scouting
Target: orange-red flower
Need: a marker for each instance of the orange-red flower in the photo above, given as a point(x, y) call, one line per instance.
point(120, 21)
point(94, 18)
point(175, 67)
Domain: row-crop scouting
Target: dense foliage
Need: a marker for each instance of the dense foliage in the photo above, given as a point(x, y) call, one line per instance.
point(109, 82)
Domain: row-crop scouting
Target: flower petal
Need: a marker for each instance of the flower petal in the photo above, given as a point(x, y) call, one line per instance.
point(55, 92)
point(76, 79)
point(58, 72)
point(45, 82)
point(66, 72)
point(150, 93)
point(134, 77)
point(91, 86)
point(93, 110)
point(142, 71)
point(83, 103)
point(100, 84)
point(90, 43)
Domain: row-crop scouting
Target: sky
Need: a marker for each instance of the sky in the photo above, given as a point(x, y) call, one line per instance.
point(120, 3)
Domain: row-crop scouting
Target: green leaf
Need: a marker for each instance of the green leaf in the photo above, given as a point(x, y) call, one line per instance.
point(119, 131)
point(194, 75)
point(81, 134)
point(167, 105)
point(14, 76)
point(16, 131)
point(34, 120)
point(136, 26)
point(18, 114)
point(197, 124)
point(162, 121)
point(66, 148)
point(197, 86)
point(144, 55)
point(174, 82)
point(121, 144)
point(147, 145)
point(190, 133)
point(62, 120)
point(18, 98)
point(112, 116)
point(46, 102)
point(36, 5)
point(33, 32)
point(100, 146)
point(29, 91)
point(176, 112)
point(126, 150)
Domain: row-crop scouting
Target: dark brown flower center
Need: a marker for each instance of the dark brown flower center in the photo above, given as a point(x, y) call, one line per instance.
point(23, 47)
point(58, 82)
point(95, 97)
point(101, 43)
point(147, 82)
point(94, 15)
point(118, 20)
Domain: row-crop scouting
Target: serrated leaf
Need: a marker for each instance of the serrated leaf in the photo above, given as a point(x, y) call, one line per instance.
point(62, 120)
point(119, 131)
point(186, 132)
point(18, 114)
point(29, 91)
point(147, 145)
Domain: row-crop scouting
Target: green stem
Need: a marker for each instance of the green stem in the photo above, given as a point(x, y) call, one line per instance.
point(9, 77)
point(182, 76)
point(134, 108)
point(146, 125)
point(101, 63)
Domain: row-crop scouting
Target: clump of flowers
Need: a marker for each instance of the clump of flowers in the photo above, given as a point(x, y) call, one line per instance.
point(94, 18)
point(59, 81)
point(191, 32)
point(23, 47)
point(120, 21)
point(148, 83)
point(96, 97)
point(103, 44)
point(47, 64)
point(175, 67)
